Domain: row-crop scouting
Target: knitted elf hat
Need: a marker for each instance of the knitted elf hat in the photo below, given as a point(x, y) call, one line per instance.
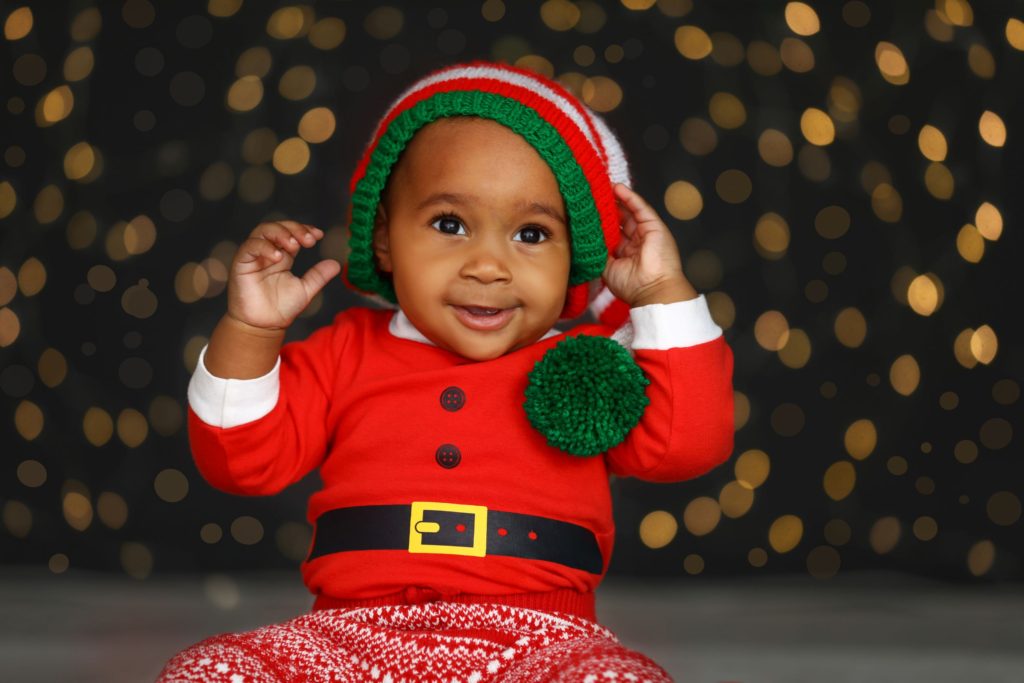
point(577, 145)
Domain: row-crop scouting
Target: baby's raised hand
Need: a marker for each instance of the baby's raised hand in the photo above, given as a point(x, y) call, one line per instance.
point(262, 291)
point(646, 268)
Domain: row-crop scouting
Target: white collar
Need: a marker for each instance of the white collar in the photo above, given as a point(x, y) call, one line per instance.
point(401, 327)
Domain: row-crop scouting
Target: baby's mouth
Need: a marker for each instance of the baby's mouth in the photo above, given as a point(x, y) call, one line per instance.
point(477, 310)
point(483, 318)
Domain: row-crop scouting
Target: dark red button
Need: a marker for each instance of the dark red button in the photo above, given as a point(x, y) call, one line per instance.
point(448, 456)
point(453, 398)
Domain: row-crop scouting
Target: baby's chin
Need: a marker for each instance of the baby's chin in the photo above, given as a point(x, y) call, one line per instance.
point(485, 349)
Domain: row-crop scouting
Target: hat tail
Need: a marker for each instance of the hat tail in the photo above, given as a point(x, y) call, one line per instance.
point(609, 309)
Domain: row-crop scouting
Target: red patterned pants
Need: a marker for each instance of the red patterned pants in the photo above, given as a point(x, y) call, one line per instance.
point(438, 642)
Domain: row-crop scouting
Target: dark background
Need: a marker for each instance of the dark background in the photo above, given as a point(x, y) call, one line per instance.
point(97, 344)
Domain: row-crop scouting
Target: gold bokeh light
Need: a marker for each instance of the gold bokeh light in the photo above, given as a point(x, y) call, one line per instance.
point(839, 480)
point(727, 110)
point(658, 528)
point(702, 515)
point(775, 148)
point(771, 236)
point(891, 63)
point(817, 127)
point(1014, 32)
point(317, 125)
point(885, 534)
point(771, 330)
point(752, 468)
point(18, 24)
point(785, 533)
point(905, 374)
point(860, 438)
point(989, 220)
point(735, 499)
point(970, 244)
point(288, 22)
point(245, 94)
point(850, 327)
point(992, 129)
point(802, 19)
point(683, 200)
point(925, 294)
point(692, 42)
point(932, 143)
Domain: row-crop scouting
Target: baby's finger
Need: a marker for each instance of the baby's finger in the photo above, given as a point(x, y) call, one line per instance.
point(302, 232)
point(641, 210)
point(628, 223)
point(256, 253)
point(281, 236)
point(319, 275)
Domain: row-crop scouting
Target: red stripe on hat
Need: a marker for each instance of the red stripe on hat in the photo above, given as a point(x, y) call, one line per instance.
point(615, 313)
point(397, 109)
point(571, 99)
point(575, 300)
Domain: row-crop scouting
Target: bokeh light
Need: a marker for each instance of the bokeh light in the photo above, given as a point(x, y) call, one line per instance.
point(850, 226)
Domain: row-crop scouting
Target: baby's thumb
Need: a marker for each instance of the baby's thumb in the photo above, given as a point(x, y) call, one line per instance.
point(319, 275)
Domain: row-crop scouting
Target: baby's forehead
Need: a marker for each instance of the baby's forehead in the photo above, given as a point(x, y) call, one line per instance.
point(461, 130)
point(460, 145)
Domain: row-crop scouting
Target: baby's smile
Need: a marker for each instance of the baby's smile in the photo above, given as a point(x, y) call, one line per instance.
point(483, 319)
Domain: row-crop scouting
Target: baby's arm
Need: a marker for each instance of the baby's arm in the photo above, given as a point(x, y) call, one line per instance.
point(246, 439)
point(688, 427)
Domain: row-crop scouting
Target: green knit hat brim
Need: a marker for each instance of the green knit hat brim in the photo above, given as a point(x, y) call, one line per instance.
point(589, 253)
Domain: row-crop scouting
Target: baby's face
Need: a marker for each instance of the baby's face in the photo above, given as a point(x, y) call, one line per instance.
point(475, 235)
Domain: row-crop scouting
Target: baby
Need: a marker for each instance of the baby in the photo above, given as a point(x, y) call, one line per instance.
point(465, 518)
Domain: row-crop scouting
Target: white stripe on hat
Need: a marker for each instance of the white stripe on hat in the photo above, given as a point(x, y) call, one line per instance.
point(513, 78)
point(618, 168)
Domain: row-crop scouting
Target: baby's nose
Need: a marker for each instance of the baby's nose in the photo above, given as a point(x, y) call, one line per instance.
point(486, 263)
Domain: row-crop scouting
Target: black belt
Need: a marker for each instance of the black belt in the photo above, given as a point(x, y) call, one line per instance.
point(453, 529)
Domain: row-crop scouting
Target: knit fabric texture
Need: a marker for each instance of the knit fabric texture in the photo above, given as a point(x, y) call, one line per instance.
point(577, 145)
point(585, 395)
point(436, 642)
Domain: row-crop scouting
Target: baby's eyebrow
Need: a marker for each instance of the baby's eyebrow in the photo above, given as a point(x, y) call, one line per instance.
point(461, 199)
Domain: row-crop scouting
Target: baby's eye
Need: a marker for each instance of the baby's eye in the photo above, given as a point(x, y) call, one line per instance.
point(449, 225)
point(533, 234)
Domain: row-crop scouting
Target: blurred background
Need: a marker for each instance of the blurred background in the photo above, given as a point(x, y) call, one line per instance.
point(842, 179)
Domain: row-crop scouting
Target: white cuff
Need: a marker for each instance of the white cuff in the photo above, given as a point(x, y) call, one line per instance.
point(668, 326)
point(227, 403)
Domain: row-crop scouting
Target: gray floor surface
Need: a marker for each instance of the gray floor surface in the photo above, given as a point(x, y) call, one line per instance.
point(90, 627)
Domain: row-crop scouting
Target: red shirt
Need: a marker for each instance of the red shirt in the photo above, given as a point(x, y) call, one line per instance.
point(364, 406)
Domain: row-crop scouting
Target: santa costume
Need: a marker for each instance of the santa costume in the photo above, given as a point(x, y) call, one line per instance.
point(465, 518)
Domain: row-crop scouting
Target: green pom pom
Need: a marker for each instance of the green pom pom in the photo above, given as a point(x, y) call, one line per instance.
point(585, 395)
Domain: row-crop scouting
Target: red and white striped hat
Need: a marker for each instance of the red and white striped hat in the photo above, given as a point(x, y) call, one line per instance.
point(576, 143)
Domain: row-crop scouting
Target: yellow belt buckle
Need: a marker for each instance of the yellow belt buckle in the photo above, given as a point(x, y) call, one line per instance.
point(418, 527)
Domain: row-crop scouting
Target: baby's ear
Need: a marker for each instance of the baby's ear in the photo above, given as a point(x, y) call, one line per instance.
point(381, 239)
